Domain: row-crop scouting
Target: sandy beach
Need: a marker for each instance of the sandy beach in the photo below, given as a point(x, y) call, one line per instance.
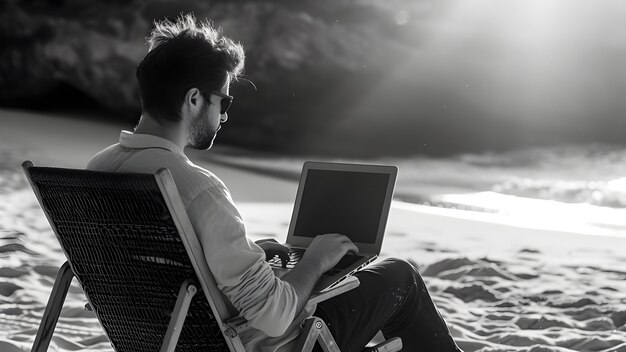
point(501, 286)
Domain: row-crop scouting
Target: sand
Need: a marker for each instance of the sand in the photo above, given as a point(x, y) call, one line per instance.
point(500, 286)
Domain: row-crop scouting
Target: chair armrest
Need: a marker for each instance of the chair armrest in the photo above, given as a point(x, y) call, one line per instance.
point(346, 285)
point(238, 324)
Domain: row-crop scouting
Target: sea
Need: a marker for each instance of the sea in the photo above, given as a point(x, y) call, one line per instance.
point(573, 188)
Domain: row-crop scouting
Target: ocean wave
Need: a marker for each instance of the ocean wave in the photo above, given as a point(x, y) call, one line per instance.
point(611, 193)
point(542, 214)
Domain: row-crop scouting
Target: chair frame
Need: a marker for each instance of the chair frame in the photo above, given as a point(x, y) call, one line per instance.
point(314, 329)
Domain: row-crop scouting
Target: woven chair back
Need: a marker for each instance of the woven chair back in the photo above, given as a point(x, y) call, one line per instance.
point(124, 249)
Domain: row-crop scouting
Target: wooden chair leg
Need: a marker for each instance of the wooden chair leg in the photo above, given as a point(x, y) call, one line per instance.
point(53, 308)
point(315, 330)
point(185, 295)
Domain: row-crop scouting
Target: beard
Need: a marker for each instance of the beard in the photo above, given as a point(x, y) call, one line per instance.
point(201, 136)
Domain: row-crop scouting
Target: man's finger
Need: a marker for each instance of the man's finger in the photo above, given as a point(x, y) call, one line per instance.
point(351, 247)
point(284, 259)
point(345, 239)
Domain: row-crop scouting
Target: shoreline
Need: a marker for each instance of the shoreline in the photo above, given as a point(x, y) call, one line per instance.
point(52, 140)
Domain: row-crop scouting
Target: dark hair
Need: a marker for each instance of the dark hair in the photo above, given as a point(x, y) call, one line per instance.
point(183, 55)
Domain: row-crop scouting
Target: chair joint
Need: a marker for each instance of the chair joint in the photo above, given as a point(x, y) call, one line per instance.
point(235, 326)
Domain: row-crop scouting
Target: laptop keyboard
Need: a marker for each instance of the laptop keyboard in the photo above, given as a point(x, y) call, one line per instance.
point(295, 254)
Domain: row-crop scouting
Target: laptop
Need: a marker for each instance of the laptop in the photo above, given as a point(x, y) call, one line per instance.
point(350, 199)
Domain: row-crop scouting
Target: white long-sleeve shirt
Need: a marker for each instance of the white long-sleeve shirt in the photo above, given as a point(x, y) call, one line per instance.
point(237, 263)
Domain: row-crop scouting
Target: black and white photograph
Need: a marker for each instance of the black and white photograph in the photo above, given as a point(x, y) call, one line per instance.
point(298, 176)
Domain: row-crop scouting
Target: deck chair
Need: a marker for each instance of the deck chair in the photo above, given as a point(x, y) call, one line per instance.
point(131, 246)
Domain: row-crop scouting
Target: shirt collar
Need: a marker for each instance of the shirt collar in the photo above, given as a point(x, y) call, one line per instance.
point(138, 140)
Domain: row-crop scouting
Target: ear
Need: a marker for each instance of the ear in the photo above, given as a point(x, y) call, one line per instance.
point(193, 99)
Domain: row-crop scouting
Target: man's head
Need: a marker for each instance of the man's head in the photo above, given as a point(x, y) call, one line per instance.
point(186, 74)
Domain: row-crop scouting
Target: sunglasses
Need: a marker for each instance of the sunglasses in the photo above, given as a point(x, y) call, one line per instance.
point(225, 103)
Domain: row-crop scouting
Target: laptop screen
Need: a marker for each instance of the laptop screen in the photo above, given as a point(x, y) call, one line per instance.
point(346, 202)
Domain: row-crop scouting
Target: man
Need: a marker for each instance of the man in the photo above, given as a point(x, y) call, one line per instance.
point(184, 85)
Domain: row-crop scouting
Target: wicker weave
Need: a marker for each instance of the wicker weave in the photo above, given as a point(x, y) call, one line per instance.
point(123, 247)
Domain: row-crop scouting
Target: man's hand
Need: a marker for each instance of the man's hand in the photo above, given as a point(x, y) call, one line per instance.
point(323, 254)
point(272, 249)
point(326, 251)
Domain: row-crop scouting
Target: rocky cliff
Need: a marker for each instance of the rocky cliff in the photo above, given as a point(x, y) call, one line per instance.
point(298, 55)
point(342, 77)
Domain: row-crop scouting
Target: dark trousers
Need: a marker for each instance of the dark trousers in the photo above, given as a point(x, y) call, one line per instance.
point(391, 298)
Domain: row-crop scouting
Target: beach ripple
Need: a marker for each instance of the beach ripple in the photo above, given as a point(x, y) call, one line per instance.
point(10, 346)
point(600, 323)
point(619, 318)
point(472, 293)
point(8, 288)
point(566, 302)
point(445, 265)
point(539, 322)
point(519, 339)
point(12, 273)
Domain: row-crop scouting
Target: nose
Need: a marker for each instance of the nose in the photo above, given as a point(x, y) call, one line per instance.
point(224, 117)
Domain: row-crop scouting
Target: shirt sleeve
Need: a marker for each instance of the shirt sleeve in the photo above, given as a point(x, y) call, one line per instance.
point(239, 265)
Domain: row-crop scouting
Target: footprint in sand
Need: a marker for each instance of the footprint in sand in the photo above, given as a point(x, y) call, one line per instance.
point(571, 303)
point(7, 288)
point(503, 289)
point(540, 322)
point(94, 340)
point(507, 305)
point(500, 316)
point(9, 347)
point(526, 276)
point(46, 270)
point(456, 269)
point(619, 318)
point(491, 271)
point(13, 236)
point(519, 340)
point(599, 324)
point(613, 289)
point(10, 272)
point(15, 247)
point(63, 343)
point(77, 312)
point(447, 264)
point(472, 293)
point(13, 311)
point(594, 343)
